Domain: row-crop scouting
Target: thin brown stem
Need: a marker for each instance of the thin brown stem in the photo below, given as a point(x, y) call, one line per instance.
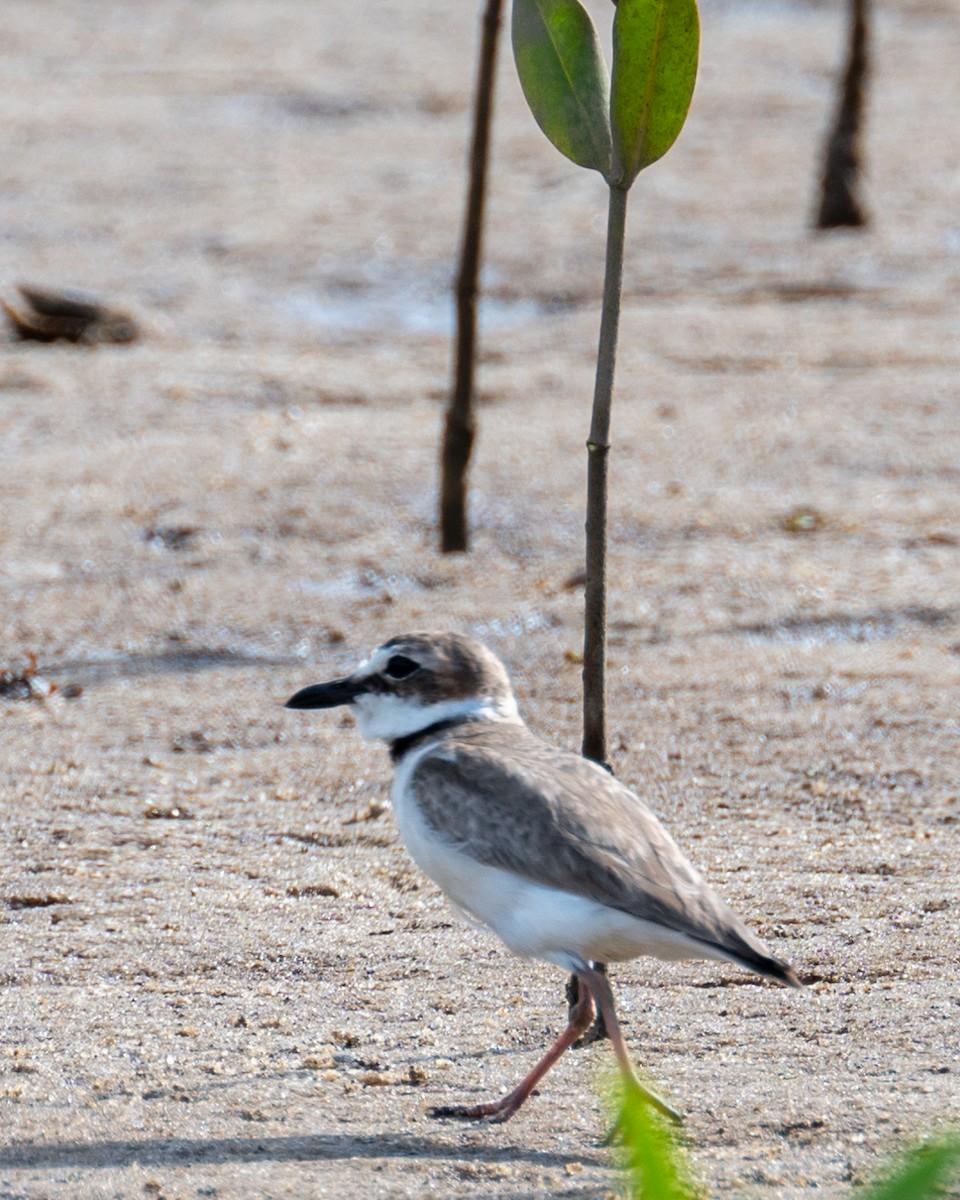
point(840, 200)
point(598, 449)
point(598, 1031)
point(460, 426)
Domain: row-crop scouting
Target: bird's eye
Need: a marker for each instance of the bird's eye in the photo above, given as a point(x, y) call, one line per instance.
point(399, 667)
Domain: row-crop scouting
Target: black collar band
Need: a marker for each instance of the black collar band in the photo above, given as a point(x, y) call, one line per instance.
point(400, 747)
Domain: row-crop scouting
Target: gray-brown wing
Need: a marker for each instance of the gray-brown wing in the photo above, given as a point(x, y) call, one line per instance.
point(559, 820)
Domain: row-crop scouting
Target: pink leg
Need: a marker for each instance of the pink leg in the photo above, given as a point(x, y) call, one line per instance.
point(599, 985)
point(503, 1109)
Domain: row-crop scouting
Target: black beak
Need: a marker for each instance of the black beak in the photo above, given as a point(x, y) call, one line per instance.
point(327, 695)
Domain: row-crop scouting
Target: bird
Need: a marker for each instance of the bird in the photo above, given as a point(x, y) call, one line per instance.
point(540, 845)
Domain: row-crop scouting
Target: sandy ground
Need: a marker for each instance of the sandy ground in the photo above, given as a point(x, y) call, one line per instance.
point(221, 976)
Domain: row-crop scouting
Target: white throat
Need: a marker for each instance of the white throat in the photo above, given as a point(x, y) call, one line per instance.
point(386, 718)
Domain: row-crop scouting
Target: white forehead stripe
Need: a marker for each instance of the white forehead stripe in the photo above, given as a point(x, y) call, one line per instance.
point(375, 664)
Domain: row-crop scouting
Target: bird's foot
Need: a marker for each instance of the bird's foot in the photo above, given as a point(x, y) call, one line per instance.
point(494, 1112)
point(663, 1108)
point(673, 1115)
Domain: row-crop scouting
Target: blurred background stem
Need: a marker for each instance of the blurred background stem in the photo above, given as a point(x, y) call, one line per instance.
point(460, 426)
point(840, 203)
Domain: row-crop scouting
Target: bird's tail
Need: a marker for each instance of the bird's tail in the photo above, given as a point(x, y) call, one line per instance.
point(772, 968)
point(753, 955)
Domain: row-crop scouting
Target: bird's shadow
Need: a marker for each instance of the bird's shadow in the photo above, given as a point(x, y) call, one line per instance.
point(191, 1152)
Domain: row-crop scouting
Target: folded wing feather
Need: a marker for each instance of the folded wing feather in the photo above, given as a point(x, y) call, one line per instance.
point(576, 828)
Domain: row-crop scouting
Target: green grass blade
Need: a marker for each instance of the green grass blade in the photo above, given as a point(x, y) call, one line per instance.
point(656, 44)
point(564, 78)
point(657, 1165)
point(920, 1174)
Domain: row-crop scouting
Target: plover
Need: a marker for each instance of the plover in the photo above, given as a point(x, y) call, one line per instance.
point(544, 847)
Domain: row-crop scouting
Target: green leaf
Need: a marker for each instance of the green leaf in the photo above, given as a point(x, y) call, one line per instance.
point(657, 1165)
point(564, 78)
point(655, 49)
point(921, 1173)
